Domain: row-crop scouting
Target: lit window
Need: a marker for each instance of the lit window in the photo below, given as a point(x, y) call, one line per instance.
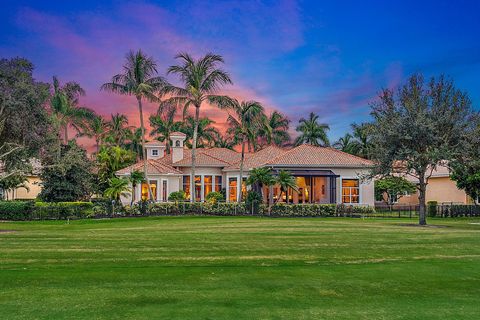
point(145, 193)
point(198, 188)
point(350, 191)
point(207, 180)
point(232, 193)
point(186, 186)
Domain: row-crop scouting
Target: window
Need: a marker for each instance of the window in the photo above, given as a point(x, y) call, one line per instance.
point(186, 186)
point(155, 152)
point(177, 143)
point(207, 180)
point(244, 188)
point(145, 193)
point(350, 191)
point(198, 188)
point(164, 190)
point(218, 183)
point(232, 189)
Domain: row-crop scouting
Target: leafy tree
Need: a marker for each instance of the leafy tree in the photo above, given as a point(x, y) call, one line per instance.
point(362, 145)
point(285, 180)
point(139, 79)
point(68, 177)
point(244, 123)
point(275, 129)
point(224, 141)
point(134, 142)
point(418, 128)
point(466, 168)
point(110, 160)
point(164, 124)
point(393, 188)
point(65, 108)
point(25, 127)
point(312, 132)
point(201, 80)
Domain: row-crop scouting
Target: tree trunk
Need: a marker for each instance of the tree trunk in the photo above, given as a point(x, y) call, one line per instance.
point(97, 142)
point(422, 214)
point(239, 197)
point(194, 149)
point(66, 134)
point(144, 151)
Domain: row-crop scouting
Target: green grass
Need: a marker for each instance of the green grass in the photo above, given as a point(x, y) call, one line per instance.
point(240, 268)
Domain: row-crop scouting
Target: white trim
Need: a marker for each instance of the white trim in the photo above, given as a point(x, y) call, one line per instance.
point(360, 193)
point(166, 193)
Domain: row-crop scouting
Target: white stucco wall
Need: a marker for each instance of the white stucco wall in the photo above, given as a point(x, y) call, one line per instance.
point(367, 192)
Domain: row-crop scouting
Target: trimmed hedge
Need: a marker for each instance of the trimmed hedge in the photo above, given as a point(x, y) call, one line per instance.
point(16, 210)
point(63, 210)
point(303, 210)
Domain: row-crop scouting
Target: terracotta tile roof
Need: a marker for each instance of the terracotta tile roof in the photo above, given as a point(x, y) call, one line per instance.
point(201, 159)
point(257, 159)
point(308, 155)
point(224, 154)
point(155, 143)
point(153, 167)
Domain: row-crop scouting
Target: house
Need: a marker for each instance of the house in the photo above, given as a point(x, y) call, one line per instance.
point(324, 175)
point(32, 186)
point(440, 188)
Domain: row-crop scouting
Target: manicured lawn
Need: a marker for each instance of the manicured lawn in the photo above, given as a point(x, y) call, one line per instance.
point(240, 268)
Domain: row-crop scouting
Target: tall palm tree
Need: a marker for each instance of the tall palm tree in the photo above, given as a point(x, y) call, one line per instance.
point(346, 144)
point(96, 128)
point(260, 177)
point(118, 129)
point(312, 132)
point(201, 80)
point(140, 79)
point(134, 141)
point(275, 129)
point(245, 122)
point(362, 144)
point(65, 108)
point(164, 124)
point(206, 133)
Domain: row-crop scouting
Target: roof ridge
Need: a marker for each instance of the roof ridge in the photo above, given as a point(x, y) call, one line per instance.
point(281, 155)
point(343, 152)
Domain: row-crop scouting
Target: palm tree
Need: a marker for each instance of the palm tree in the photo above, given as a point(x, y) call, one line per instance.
point(206, 133)
point(260, 177)
point(244, 123)
point(346, 144)
point(139, 79)
point(135, 178)
point(117, 187)
point(134, 141)
point(312, 132)
point(201, 80)
point(164, 124)
point(275, 129)
point(224, 141)
point(65, 108)
point(96, 128)
point(118, 129)
point(362, 144)
point(285, 180)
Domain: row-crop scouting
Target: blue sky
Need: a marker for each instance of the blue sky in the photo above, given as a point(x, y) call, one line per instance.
point(329, 57)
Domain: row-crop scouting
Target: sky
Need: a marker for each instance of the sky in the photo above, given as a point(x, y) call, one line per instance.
point(327, 57)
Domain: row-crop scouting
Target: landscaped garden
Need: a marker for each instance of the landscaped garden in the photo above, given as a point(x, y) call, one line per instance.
point(240, 267)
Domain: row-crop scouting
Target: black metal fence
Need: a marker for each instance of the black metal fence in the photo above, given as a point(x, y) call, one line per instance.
point(444, 210)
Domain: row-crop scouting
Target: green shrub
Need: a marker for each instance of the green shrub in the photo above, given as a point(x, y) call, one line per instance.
point(16, 210)
point(214, 197)
point(432, 208)
point(303, 210)
point(63, 210)
point(352, 210)
point(177, 196)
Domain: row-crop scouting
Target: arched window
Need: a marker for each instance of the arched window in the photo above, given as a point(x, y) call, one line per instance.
point(177, 143)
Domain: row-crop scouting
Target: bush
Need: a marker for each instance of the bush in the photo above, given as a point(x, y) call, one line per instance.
point(432, 208)
point(63, 210)
point(253, 202)
point(214, 197)
point(177, 196)
point(303, 210)
point(351, 210)
point(16, 210)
